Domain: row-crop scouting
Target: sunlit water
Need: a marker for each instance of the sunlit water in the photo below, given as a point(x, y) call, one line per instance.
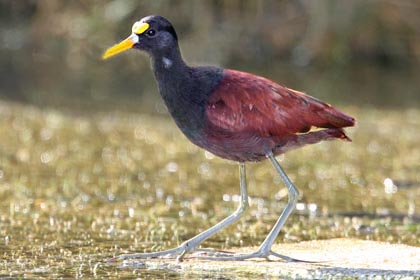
point(76, 191)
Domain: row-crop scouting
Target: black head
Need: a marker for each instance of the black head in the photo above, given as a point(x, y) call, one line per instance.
point(153, 34)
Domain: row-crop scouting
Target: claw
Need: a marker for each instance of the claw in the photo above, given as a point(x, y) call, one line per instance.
point(180, 257)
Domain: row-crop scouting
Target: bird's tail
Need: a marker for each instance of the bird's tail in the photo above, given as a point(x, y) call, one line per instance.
point(336, 118)
point(334, 133)
point(311, 137)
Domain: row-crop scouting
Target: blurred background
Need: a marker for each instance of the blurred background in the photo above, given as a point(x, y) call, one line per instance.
point(91, 166)
point(364, 53)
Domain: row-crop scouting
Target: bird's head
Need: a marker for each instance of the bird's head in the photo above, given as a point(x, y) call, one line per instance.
point(153, 34)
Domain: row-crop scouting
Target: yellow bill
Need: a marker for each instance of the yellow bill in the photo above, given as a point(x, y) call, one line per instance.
point(138, 28)
point(120, 47)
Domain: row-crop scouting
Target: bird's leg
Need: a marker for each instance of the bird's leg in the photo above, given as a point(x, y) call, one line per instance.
point(264, 251)
point(265, 247)
point(191, 244)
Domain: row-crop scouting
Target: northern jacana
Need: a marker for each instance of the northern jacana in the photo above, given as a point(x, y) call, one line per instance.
point(234, 115)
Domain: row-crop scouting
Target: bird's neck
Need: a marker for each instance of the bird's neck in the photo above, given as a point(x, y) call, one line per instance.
point(171, 73)
point(178, 90)
point(168, 64)
point(185, 90)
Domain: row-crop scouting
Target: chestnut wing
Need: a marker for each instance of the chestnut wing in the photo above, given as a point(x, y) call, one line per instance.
point(244, 102)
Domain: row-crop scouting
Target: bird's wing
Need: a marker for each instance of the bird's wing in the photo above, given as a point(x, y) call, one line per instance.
point(243, 102)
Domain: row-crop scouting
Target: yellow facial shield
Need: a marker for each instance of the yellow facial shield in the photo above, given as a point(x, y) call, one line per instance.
point(137, 29)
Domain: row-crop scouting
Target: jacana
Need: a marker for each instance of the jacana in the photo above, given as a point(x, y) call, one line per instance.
point(234, 115)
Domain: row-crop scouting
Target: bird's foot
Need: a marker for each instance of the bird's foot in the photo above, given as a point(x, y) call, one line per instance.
point(177, 253)
point(214, 255)
point(180, 253)
point(167, 254)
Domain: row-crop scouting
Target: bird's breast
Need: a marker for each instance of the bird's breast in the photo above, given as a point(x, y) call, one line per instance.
point(186, 94)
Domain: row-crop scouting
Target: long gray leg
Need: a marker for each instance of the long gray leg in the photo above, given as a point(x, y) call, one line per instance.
point(264, 250)
point(192, 243)
point(265, 247)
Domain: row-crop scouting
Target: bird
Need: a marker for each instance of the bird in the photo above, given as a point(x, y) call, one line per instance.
point(235, 115)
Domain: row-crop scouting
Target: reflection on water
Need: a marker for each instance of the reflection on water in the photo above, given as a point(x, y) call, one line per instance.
point(77, 190)
point(390, 187)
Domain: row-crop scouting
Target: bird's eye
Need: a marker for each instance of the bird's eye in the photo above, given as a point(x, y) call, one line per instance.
point(151, 32)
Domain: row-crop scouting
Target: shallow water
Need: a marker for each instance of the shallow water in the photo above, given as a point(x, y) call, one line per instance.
point(76, 191)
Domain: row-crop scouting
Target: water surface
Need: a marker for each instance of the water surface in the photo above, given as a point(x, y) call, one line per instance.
point(78, 190)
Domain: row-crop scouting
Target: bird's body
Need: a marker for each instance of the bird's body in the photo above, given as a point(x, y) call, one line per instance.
point(235, 115)
point(240, 116)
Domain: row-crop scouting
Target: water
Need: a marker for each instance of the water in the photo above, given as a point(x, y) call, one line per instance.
point(76, 191)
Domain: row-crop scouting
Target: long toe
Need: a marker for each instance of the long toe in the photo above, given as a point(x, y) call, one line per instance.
point(229, 256)
point(168, 254)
